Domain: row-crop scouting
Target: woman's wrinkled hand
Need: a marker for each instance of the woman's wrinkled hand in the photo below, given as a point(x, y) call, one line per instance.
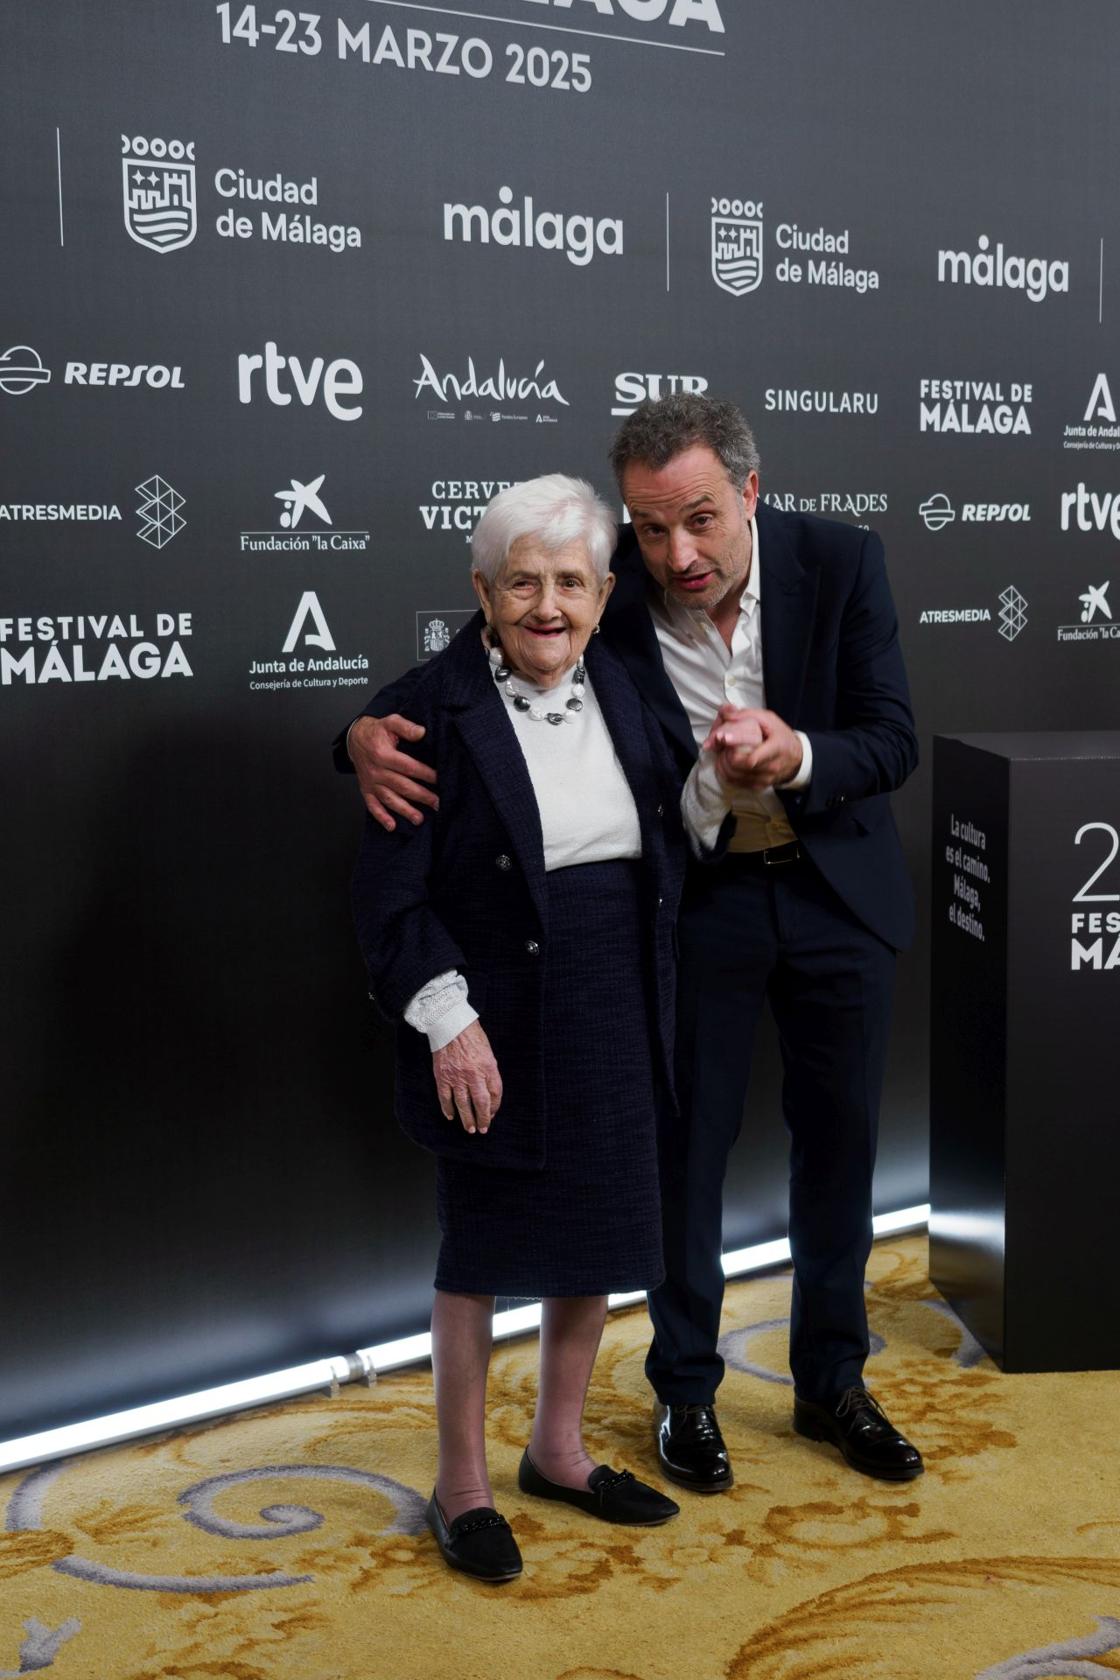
point(468, 1080)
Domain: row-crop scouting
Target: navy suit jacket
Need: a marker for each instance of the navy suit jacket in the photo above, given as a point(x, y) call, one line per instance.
point(833, 668)
point(467, 890)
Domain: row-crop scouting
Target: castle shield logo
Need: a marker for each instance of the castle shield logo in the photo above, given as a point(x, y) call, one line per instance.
point(159, 192)
point(736, 245)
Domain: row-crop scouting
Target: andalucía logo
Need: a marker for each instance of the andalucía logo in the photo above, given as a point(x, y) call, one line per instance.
point(299, 667)
point(737, 245)
point(21, 369)
point(159, 192)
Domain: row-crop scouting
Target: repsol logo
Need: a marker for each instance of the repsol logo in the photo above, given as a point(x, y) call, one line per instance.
point(988, 513)
point(154, 375)
point(579, 237)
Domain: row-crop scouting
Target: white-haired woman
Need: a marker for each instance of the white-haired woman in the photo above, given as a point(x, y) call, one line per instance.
point(523, 939)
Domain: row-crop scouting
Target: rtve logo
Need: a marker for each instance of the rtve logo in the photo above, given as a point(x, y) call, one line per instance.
point(284, 374)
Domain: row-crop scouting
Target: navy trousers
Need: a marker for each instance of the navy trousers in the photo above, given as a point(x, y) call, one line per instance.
point(782, 935)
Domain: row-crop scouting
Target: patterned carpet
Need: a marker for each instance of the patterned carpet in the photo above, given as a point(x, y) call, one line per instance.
point(288, 1544)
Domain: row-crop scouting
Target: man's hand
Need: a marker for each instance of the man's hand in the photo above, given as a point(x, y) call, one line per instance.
point(468, 1080)
point(387, 778)
point(753, 749)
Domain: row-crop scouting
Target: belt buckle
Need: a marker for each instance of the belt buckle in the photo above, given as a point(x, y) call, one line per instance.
point(777, 862)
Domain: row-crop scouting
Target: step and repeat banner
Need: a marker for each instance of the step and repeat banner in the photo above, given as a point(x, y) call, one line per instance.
point(285, 297)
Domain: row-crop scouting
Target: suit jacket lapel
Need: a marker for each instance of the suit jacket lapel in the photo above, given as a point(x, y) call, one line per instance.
point(621, 707)
point(789, 597)
point(483, 722)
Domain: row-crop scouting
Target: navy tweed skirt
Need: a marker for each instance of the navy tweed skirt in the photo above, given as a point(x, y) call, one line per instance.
point(589, 1222)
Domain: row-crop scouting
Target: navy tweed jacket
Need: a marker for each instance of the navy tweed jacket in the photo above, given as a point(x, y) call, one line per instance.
point(467, 890)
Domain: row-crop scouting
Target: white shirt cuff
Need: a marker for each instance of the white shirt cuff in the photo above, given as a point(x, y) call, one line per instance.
point(440, 1009)
point(705, 803)
point(805, 772)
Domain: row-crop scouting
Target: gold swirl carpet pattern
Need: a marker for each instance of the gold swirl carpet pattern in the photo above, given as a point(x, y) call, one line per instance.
point(289, 1544)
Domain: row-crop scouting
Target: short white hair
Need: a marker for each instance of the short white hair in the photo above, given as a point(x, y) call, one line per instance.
point(554, 509)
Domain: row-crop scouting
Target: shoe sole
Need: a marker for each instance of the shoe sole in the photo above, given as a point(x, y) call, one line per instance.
point(813, 1432)
point(487, 1580)
point(681, 1481)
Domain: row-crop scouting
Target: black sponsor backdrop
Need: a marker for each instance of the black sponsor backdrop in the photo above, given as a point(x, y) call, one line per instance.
point(202, 1175)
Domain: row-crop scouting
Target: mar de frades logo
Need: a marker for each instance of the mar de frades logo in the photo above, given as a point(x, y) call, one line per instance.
point(158, 178)
point(22, 370)
point(737, 245)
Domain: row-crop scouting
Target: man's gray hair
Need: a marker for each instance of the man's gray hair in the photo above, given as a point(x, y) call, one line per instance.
point(659, 431)
point(555, 510)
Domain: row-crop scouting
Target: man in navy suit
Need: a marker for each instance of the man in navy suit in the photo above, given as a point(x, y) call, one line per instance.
point(767, 645)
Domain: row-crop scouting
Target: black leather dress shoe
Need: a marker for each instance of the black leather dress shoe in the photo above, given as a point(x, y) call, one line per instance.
point(478, 1542)
point(858, 1425)
point(614, 1495)
point(691, 1449)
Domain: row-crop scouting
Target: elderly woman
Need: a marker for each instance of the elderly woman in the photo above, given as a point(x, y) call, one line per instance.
point(524, 937)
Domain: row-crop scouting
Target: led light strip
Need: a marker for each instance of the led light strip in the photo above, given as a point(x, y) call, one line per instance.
point(327, 1373)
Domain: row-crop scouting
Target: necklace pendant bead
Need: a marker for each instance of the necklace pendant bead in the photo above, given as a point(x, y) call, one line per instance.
point(555, 717)
point(575, 705)
point(520, 704)
point(501, 674)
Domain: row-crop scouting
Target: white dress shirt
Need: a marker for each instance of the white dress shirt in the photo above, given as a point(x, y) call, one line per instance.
point(706, 673)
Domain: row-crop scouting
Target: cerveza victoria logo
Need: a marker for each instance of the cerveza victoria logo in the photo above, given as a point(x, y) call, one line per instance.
point(524, 225)
point(161, 208)
point(528, 392)
point(1037, 276)
point(812, 256)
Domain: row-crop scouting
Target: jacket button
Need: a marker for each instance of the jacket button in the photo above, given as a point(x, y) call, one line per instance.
point(661, 810)
point(532, 949)
point(503, 861)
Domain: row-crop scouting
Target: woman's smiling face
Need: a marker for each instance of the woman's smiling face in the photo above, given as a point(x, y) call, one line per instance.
point(544, 605)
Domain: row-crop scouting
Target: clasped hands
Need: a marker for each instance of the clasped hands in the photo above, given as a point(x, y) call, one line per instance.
point(753, 748)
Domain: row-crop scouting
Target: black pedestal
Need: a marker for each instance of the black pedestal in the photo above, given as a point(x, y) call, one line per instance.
point(1025, 1052)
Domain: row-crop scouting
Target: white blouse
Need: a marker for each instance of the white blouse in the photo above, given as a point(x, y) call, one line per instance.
point(587, 815)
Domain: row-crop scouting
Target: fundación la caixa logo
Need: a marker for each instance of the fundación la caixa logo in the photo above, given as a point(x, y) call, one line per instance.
point(300, 499)
point(1095, 622)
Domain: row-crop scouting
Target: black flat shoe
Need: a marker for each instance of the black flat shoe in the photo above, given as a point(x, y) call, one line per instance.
point(614, 1495)
point(858, 1425)
point(478, 1542)
point(690, 1448)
